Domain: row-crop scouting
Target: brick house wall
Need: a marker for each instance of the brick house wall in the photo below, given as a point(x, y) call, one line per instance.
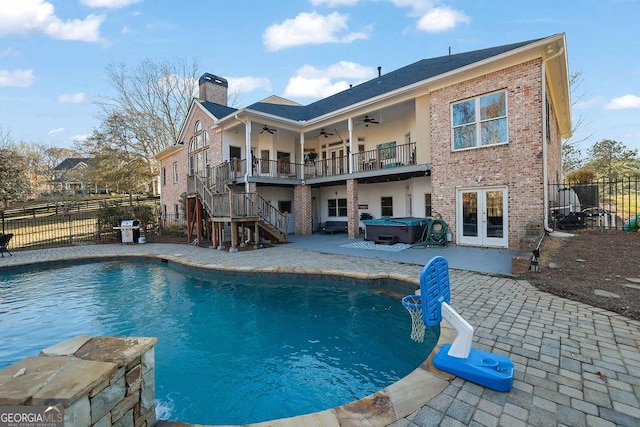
point(516, 165)
point(302, 201)
point(211, 89)
point(170, 191)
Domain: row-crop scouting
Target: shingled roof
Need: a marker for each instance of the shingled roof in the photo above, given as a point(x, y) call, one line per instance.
point(389, 82)
point(72, 162)
point(218, 110)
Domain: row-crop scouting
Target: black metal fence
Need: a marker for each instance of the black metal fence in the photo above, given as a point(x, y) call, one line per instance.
point(55, 230)
point(603, 204)
point(40, 226)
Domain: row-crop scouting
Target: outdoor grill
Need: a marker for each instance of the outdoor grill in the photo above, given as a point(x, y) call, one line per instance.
point(130, 230)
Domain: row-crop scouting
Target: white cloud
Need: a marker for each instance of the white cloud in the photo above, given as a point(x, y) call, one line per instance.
point(248, 84)
point(16, 78)
point(441, 19)
point(310, 28)
point(312, 82)
point(109, 3)
point(303, 87)
point(31, 16)
point(419, 7)
point(432, 18)
point(72, 98)
point(55, 131)
point(624, 102)
point(9, 52)
point(334, 3)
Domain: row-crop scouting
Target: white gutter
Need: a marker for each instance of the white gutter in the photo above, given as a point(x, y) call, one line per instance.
point(545, 179)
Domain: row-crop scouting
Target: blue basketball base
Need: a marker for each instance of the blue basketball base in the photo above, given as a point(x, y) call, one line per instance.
point(487, 369)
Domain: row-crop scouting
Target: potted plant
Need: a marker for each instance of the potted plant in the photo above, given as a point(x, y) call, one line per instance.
point(365, 216)
point(310, 157)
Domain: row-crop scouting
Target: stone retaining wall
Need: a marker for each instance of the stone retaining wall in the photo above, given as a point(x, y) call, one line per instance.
point(100, 381)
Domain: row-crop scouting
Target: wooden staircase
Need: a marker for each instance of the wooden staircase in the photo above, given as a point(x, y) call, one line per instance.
point(240, 209)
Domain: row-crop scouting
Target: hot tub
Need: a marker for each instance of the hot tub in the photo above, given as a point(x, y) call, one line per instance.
point(392, 230)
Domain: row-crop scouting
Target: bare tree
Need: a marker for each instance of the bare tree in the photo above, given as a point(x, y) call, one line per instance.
point(153, 99)
point(572, 157)
point(115, 159)
point(5, 138)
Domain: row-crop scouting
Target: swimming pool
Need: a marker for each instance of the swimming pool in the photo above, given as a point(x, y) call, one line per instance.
point(232, 348)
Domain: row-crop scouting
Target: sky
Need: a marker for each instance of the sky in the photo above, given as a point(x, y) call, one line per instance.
point(54, 53)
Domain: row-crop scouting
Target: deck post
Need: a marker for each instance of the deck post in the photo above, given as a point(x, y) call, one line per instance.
point(234, 234)
point(199, 220)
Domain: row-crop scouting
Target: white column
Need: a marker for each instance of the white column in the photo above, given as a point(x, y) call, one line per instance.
point(249, 162)
point(301, 155)
point(350, 125)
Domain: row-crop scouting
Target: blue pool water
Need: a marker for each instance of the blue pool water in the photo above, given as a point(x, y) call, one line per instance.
point(231, 349)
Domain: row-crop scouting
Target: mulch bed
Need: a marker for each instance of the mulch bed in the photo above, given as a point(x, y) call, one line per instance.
point(600, 268)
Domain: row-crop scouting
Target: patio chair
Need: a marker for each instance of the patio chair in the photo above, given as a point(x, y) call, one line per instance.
point(4, 242)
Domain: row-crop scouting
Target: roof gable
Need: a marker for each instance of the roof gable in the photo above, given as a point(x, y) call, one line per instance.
point(72, 162)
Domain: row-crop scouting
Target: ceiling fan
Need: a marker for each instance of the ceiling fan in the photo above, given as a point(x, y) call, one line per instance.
point(324, 133)
point(267, 129)
point(368, 120)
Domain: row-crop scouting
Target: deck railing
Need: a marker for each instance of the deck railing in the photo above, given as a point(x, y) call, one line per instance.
point(384, 156)
point(237, 205)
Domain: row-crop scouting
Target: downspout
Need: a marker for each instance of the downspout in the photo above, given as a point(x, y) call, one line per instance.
point(545, 179)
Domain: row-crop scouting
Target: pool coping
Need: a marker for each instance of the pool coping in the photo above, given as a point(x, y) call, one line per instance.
point(384, 407)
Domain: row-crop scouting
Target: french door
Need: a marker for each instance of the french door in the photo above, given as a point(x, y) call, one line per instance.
point(482, 217)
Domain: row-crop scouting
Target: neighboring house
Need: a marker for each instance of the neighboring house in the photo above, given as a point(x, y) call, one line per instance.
point(474, 137)
point(70, 177)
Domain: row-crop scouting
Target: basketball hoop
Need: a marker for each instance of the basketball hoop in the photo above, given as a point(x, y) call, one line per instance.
point(413, 304)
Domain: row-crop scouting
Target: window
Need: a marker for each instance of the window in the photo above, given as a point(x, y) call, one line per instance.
point(176, 212)
point(337, 207)
point(191, 165)
point(164, 176)
point(164, 212)
point(480, 121)
point(427, 204)
point(175, 172)
point(198, 126)
point(235, 152)
point(386, 206)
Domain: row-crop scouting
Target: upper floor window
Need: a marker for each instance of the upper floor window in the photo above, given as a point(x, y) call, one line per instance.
point(480, 121)
point(164, 176)
point(175, 172)
point(198, 126)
